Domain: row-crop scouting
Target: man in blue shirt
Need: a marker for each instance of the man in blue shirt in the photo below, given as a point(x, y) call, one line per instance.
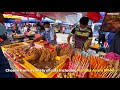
point(115, 45)
point(101, 36)
point(48, 34)
point(110, 37)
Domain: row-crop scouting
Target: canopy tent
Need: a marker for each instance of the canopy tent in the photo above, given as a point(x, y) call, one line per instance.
point(21, 21)
point(68, 17)
point(64, 23)
point(31, 21)
point(46, 19)
point(27, 14)
point(12, 20)
point(58, 21)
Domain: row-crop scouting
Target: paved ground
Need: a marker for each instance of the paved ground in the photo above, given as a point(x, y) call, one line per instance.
point(62, 38)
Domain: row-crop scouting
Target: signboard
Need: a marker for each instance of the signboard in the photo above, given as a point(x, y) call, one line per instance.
point(111, 22)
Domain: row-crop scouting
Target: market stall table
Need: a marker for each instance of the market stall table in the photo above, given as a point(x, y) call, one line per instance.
point(27, 66)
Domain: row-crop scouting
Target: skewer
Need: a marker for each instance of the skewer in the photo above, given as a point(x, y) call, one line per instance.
point(114, 75)
point(87, 65)
point(118, 76)
point(104, 73)
point(83, 68)
point(109, 74)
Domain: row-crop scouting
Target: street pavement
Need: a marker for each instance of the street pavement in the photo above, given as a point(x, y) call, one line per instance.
point(62, 38)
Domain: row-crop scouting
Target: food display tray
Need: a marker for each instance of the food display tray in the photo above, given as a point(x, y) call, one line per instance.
point(31, 71)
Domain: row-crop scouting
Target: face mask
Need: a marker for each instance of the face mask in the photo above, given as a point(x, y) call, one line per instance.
point(46, 29)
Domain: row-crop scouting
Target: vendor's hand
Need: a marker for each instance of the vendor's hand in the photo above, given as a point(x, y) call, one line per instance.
point(32, 44)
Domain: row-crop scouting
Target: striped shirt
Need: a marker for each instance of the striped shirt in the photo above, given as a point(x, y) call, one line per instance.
point(81, 37)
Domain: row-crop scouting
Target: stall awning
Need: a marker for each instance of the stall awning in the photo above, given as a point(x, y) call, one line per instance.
point(11, 16)
point(27, 14)
point(68, 17)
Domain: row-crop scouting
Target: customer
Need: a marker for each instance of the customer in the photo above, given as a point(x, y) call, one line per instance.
point(111, 35)
point(38, 27)
point(63, 29)
point(81, 34)
point(4, 64)
point(101, 36)
point(49, 35)
point(2, 28)
point(15, 28)
point(115, 45)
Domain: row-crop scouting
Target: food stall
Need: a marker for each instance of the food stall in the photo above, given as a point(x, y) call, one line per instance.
point(44, 61)
point(37, 61)
point(61, 61)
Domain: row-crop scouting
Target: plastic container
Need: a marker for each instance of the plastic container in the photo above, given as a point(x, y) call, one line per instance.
point(38, 73)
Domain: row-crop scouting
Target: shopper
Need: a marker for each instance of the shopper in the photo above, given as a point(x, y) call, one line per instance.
point(110, 37)
point(115, 45)
point(4, 64)
point(2, 28)
point(101, 37)
point(49, 35)
point(81, 34)
point(38, 27)
point(63, 29)
point(15, 28)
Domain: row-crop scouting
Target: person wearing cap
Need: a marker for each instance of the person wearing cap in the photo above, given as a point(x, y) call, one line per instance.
point(82, 35)
point(48, 34)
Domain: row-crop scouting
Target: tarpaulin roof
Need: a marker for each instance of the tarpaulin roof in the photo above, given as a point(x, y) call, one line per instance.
point(26, 14)
point(20, 21)
point(69, 17)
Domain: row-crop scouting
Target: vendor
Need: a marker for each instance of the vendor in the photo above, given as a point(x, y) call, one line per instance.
point(48, 34)
point(111, 35)
point(101, 36)
point(4, 64)
point(115, 45)
point(2, 28)
point(82, 35)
